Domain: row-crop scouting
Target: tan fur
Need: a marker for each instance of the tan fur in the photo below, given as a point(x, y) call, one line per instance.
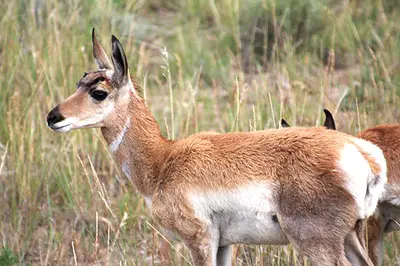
point(387, 138)
point(314, 207)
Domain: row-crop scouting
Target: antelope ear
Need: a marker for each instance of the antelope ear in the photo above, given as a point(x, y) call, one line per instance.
point(329, 121)
point(119, 61)
point(284, 123)
point(100, 55)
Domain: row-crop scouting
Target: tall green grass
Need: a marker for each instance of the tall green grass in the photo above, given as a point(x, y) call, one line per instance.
point(204, 65)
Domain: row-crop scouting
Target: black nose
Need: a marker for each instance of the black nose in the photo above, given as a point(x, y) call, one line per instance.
point(54, 116)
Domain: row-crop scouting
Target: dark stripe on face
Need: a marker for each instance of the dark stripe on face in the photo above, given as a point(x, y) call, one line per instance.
point(91, 79)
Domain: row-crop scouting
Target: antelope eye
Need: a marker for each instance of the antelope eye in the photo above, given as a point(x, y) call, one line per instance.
point(99, 95)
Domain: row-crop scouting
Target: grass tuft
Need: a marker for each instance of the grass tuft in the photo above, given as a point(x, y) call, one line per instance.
point(8, 257)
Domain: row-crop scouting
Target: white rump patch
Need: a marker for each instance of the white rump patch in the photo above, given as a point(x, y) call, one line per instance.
point(365, 187)
point(358, 171)
point(376, 183)
point(118, 140)
point(243, 215)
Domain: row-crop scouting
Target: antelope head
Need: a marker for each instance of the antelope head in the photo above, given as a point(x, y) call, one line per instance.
point(98, 93)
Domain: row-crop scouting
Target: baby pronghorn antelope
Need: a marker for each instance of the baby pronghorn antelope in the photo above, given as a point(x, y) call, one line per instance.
point(306, 186)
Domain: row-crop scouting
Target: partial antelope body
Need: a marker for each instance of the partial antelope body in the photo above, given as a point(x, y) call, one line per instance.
point(305, 186)
point(387, 215)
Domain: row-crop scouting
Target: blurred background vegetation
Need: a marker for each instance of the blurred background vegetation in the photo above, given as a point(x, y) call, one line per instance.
point(203, 65)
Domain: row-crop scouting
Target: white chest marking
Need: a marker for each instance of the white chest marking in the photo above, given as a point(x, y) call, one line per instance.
point(118, 140)
point(243, 215)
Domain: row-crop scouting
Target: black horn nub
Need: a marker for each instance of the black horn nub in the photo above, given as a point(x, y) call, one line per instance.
point(284, 123)
point(329, 121)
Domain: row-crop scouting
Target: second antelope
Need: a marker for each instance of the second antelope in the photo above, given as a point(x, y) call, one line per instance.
point(305, 186)
point(386, 216)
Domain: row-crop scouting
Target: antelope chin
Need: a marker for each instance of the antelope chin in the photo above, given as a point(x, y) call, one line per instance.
point(62, 129)
point(64, 126)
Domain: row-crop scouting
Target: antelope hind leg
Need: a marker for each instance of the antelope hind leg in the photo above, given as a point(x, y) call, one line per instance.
point(355, 251)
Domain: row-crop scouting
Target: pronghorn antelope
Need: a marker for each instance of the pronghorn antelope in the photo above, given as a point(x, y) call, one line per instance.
point(305, 186)
point(387, 215)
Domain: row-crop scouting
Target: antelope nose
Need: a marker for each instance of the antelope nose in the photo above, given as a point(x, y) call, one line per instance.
point(54, 116)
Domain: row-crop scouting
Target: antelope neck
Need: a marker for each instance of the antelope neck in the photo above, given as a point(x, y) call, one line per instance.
point(137, 145)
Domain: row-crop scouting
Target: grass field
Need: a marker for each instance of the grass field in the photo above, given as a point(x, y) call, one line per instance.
point(222, 65)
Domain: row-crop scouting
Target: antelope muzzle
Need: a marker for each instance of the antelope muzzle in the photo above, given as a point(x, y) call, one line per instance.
point(54, 119)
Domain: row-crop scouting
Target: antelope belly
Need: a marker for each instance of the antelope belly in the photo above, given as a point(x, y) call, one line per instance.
point(244, 215)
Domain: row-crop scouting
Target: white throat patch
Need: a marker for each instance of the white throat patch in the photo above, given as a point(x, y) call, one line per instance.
point(118, 140)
